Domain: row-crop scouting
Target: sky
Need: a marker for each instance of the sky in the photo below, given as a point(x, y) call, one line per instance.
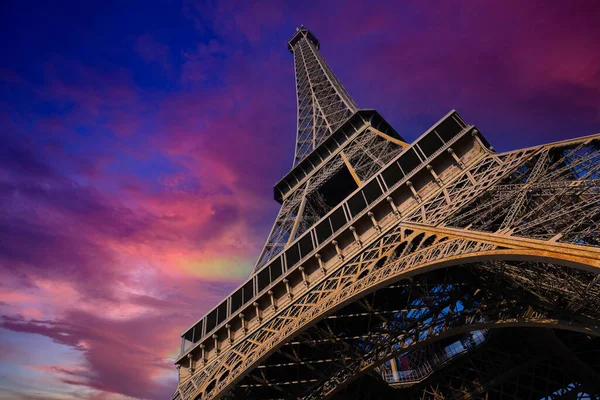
point(140, 141)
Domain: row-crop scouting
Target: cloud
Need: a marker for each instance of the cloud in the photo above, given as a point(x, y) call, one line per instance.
point(139, 360)
point(131, 203)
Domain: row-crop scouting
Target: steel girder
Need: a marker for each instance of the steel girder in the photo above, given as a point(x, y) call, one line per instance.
point(366, 153)
point(489, 240)
point(323, 103)
point(413, 248)
point(323, 106)
point(515, 364)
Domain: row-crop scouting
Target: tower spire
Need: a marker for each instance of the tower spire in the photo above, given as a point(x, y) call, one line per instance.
point(326, 113)
point(323, 103)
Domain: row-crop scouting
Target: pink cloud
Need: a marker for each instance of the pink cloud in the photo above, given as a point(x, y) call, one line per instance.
point(135, 209)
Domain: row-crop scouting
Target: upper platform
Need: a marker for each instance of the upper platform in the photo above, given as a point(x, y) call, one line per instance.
point(300, 33)
point(337, 139)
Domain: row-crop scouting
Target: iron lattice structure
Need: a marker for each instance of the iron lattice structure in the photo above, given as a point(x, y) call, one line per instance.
point(439, 269)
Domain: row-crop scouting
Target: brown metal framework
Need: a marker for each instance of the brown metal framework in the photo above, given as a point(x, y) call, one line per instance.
point(323, 103)
point(392, 267)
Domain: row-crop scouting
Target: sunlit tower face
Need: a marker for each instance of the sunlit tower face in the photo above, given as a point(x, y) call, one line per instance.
point(391, 266)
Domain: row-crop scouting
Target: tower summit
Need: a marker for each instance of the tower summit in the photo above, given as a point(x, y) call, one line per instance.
point(323, 103)
point(391, 266)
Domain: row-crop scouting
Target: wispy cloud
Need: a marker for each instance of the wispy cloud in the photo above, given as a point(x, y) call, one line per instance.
point(140, 147)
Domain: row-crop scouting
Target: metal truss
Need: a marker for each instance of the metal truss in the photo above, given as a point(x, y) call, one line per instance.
point(323, 103)
point(545, 290)
point(407, 315)
point(449, 311)
point(417, 365)
point(515, 364)
point(554, 195)
point(405, 297)
point(363, 156)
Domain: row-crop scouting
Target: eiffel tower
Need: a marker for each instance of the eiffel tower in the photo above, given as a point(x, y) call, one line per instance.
point(439, 269)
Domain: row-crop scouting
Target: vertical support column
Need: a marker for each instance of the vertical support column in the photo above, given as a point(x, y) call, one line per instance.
point(394, 208)
point(257, 308)
point(244, 327)
point(287, 288)
point(216, 339)
point(321, 266)
point(337, 249)
point(435, 176)
point(303, 272)
point(414, 192)
point(191, 361)
point(456, 158)
point(475, 135)
point(229, 337)
point(394, 366)
point(273, 303)
point(356, 237)
point(374, 221)
point(203, 350)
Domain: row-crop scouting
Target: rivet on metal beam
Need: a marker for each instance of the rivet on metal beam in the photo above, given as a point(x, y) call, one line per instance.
point(337, 249)
point(228, 327)
point(216, 338)
point(258, 315)
point(356, 237)
point(394, 208)
point(303, 272)
point(273, 304)
point(321, 266)
point(242, 316)
point(287, 288)
point(374, 221)
point(414, 192)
